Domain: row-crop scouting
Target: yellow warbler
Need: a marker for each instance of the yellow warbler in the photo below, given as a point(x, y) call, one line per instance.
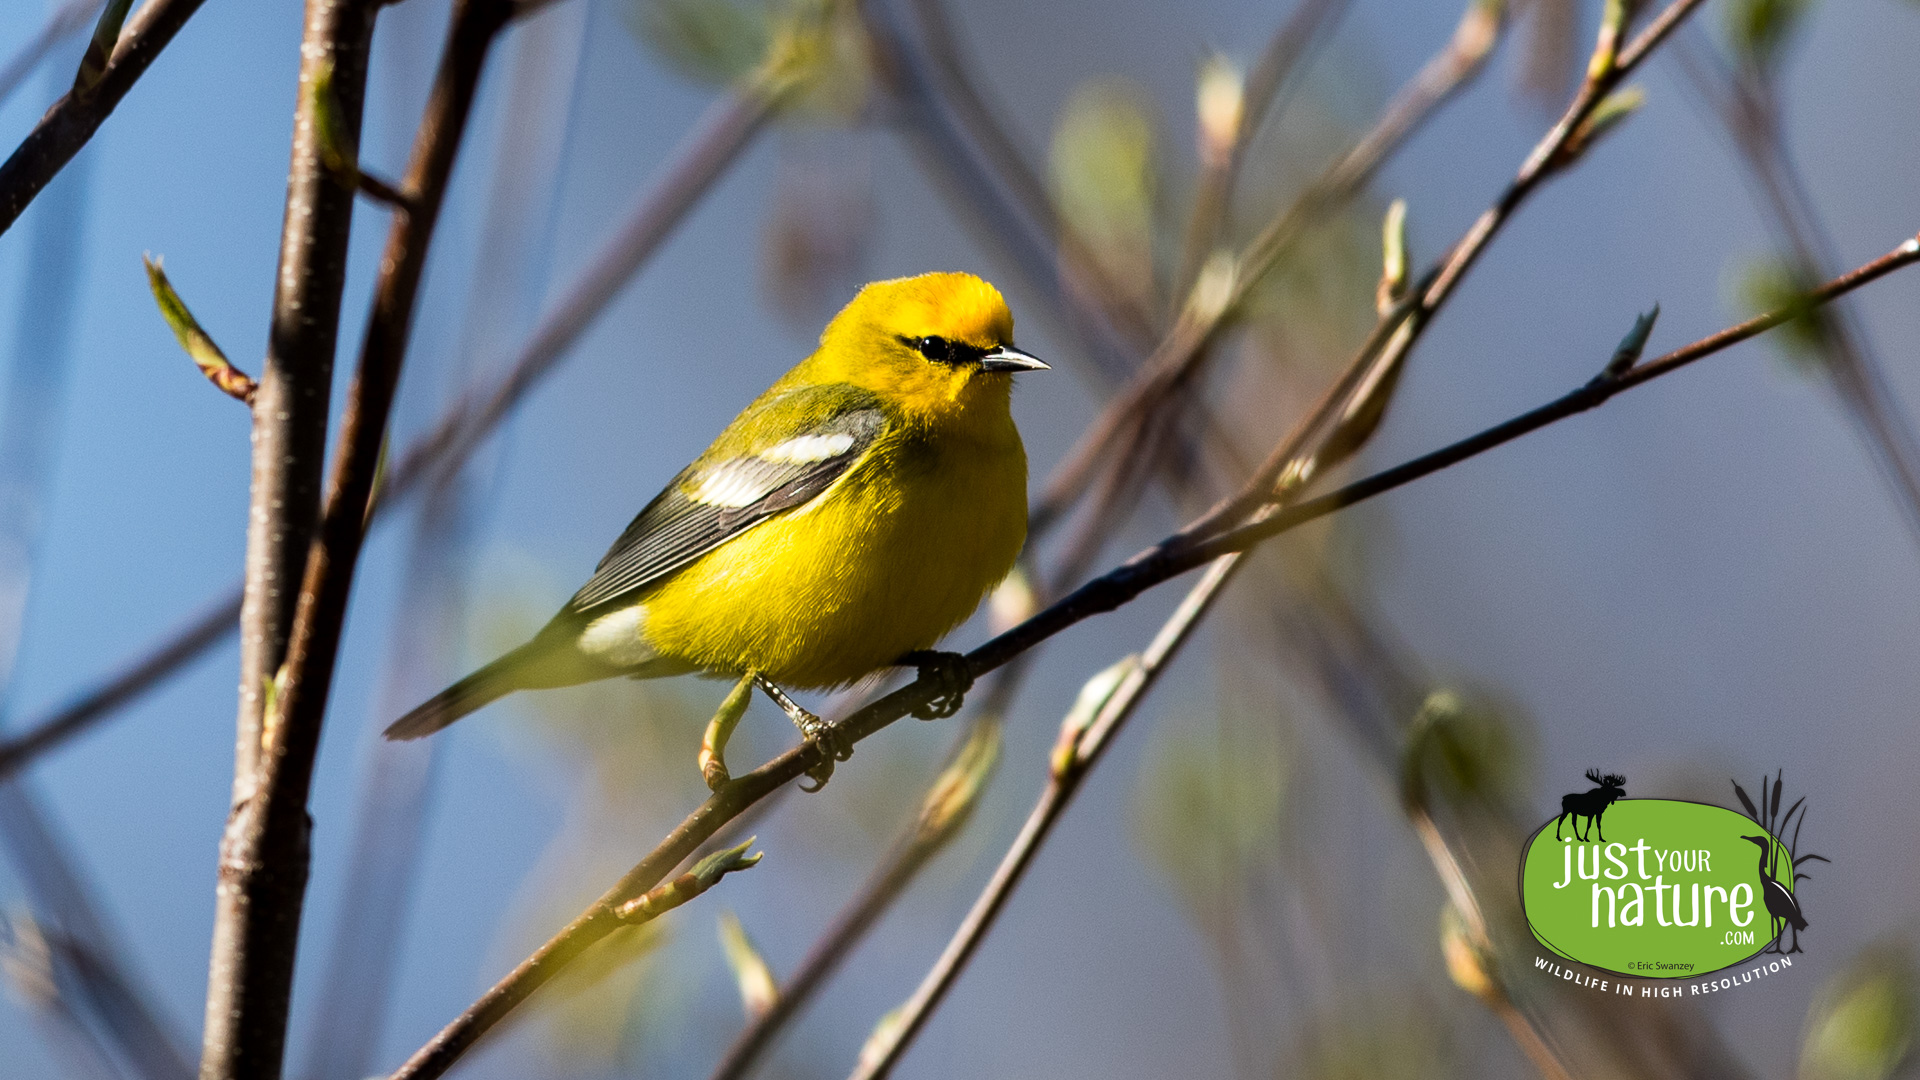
point(845, 522)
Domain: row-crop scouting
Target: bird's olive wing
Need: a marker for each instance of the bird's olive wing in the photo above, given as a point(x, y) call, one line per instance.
point(712, 502)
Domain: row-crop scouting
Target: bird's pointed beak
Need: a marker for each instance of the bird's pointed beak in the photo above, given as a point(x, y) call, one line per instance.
point(1008, 358)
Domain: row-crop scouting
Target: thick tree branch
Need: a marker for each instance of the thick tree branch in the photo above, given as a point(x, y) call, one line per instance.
point(264, 857)
point(74, 118)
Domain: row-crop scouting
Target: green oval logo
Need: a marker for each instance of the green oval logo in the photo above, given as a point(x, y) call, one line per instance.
point(1655, 888)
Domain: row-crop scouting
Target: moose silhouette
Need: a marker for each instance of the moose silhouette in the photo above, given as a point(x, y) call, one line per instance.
point(1590, 804)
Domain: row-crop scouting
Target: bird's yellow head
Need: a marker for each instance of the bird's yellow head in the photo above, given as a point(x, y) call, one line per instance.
point(931, 344)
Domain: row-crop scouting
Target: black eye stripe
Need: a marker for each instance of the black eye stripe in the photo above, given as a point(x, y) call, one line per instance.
point(942, 351)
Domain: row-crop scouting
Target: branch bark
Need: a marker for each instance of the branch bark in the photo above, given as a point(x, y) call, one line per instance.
point(250, 975)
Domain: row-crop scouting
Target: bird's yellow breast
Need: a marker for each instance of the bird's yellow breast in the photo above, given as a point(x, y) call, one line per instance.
point(898, 552)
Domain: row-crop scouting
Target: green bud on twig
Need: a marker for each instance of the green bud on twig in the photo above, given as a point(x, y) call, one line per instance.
point(885, 1034)
point(1393, 259)
point(106, 35)
point(1613, 30)
point(758, 990)
point(1605, 116)
point(705, 875)
point(1760, 30)
point(1068, 754)
point(1631, 346)
point(270, 691)
point(199, 345)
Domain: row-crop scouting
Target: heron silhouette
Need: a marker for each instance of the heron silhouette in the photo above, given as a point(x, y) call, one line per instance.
point(1781, 905)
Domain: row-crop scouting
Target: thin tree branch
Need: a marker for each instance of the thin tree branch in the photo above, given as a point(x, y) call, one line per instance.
point(727, 129)
point(384, 192)
point(264, 857)
point(201, 633)
point(251, 969)
point(74, 118)
point(1169, 559)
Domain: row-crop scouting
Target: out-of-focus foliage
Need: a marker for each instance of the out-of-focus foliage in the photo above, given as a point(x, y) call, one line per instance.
point(600, 1006)
point(1318, 301)
point(814, 47)
point(758, 988)
point(1760, 30)
point(951, 798)
point(1461, 750)
point(1219, 104)
point(1105, 171)
point(1861, 1023)
point(1467, 965)
point(711, 41)
point(1772, 284)
point(1207, 804)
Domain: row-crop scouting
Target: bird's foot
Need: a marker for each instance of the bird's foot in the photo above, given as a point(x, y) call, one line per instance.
point(832, 746)
point(950, 675)
point(826, 738)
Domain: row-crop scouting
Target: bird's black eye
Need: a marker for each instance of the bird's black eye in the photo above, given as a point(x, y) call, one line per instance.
point(937, 349)
point(942, 351)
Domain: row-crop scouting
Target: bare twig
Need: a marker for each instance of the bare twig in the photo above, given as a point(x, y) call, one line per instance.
point(74, 118)
point(1171, 558)
point(258, 898)
point(383, 192)
point(941, 814)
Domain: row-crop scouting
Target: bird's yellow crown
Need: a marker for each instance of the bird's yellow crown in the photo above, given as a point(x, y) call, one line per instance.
point(917, 341)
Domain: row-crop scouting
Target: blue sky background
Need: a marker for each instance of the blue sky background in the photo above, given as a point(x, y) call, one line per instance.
point(1706, 578)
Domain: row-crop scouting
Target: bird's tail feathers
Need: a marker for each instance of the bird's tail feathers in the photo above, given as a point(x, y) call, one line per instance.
point(496, 680)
